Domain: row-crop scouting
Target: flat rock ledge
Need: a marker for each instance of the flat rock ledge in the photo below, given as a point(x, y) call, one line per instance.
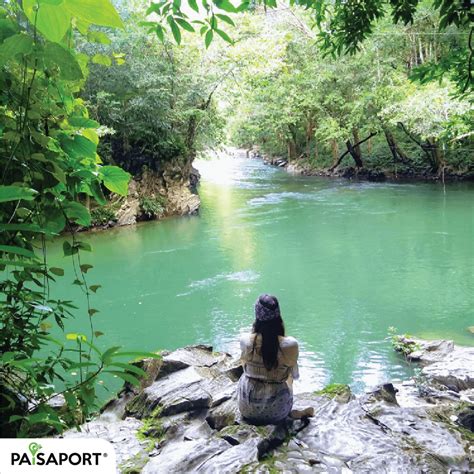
point(184, 418)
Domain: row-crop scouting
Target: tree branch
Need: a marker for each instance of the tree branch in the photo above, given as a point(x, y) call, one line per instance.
point(338, 162)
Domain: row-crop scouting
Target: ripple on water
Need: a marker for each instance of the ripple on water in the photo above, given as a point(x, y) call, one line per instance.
point(245, 276)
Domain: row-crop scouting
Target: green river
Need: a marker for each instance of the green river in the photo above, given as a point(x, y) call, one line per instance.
point(347, 260)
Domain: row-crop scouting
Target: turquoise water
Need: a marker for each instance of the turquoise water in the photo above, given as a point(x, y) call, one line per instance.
point(346, 259)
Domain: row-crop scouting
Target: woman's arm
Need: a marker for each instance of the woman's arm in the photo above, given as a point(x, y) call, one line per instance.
point(292, 357)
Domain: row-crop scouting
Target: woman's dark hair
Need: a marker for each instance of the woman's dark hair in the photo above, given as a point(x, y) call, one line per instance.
point(269, 329)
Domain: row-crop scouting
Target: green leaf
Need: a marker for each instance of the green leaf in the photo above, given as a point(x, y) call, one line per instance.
point(185, 25)
point(77, 213)
point(57, 271)
point(19, 263)
point(83, 122)
point(225, 18)
point(208, 38)
point(84, 246)
point(125, 376)
point(85, 267)
point(17, 251)
point(92, 311)
point(96, 12)
point(224, 36)
point(115, 179)
point(160, 33)
point(94, 288)
point(79, 147)
point(71, 399)
point(16, 44)
point(102, 59)
point(225, 5)
point(129, 368)
point(23, 228)
point(68, 249)
point(193, 5)
point(55, 219)
point(174, 29)
point(97, 193)
point(51, 20)
point(107, 355)
point(14, 193)
point(98, 37)
point(57, 55)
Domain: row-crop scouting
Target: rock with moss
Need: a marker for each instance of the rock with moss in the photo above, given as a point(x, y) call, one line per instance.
point(338, 391)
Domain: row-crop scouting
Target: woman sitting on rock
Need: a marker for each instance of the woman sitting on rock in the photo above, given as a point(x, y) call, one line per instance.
point(270, 363)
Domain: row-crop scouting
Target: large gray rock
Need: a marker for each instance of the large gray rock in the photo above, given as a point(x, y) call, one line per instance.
point(187, 379)
point(186, 419)
point(455, 371)
point(132, 454)
point(187, 456)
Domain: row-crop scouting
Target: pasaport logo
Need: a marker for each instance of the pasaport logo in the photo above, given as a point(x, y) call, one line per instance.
point(80, 455)
point(39, 458)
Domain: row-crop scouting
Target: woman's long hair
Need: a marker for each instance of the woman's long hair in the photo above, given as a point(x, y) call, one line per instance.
point(269, 331)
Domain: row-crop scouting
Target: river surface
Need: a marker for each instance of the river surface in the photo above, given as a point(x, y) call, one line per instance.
point(347, 260)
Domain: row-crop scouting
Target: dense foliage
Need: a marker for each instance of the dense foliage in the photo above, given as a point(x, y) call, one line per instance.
point(366, 109)
point(50, 168)
point(156, 101)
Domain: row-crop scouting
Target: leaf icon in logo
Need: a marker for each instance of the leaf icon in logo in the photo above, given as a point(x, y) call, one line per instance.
point(34, 448)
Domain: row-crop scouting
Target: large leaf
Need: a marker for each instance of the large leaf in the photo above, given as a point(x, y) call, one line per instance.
point(102, 59)
point(16, 44)
point(22, 228)
point(51, 20)
point(12, 249)
point(78, 213)
point(83, 122)
point(55, 54)
point(174, 29)
point(96, 12)
point(14, 193)
point(208, 38)
point(55, 221)
point(115, 179)
point(79, 147)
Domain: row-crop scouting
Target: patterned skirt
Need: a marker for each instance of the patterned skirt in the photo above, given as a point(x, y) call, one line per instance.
point(263, 403)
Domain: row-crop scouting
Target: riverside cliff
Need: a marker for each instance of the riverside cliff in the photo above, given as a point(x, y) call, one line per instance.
point(184, 418)
point(167, 189)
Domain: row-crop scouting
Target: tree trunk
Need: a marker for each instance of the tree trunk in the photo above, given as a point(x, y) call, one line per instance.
point(316, 151)
point(309, 136)
point(352, 149)
point(291, 150)
point(437, 155)
point(355, 134)
point(353, 153)
point(397, 153)
point(335, 152)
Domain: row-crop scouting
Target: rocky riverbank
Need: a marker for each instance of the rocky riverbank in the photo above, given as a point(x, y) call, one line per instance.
point(300, 167)
point(169, 190)
point(184, 418)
